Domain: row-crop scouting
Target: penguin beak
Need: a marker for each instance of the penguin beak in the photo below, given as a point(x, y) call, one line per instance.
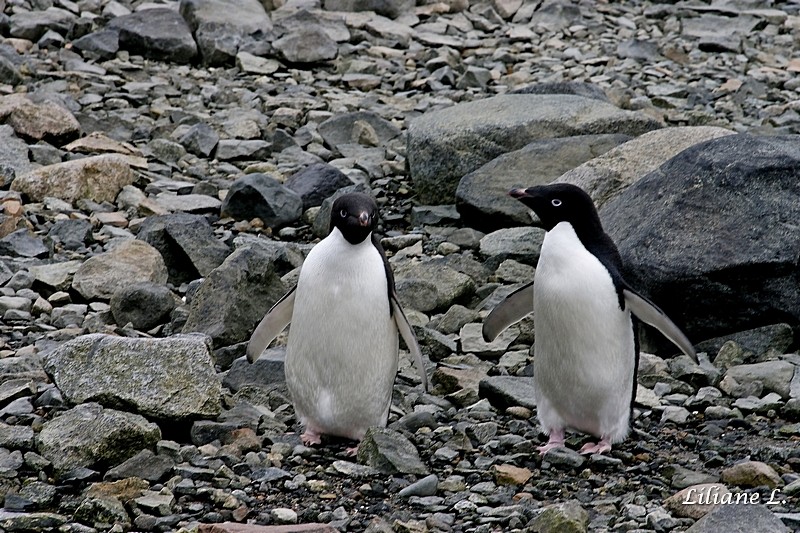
point(522, 194)
point(363, 219)
point(518, 193)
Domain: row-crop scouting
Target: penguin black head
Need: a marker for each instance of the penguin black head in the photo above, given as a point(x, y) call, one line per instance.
point(356, 216)
point(560, 202)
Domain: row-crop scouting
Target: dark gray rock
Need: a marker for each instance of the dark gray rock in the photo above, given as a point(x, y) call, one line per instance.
point(23, 243)
point(387, 8)
point(201, 139)
point(235, 296)
point(739, 519)
point(482, 196)
point(708, 235)
point(32, 25)
point(90, 436)
point(9, 72)
point(13, 153)
point(158, 33)
point(317, 182)
point(100, 44)
point(777, 337)
point(445, 145)
point(118, 372)
point(309, 44)
point(389, 452)
point(143, 304)
point(267, 369)
point(222, 27)
point(343, 129)
point(507, 391)
point(235, 149)
point(424, 487)
point(144, 465)
point(72, 234)
point(186, 242)
point(262, 196)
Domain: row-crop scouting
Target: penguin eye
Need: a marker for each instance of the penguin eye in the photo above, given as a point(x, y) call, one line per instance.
point(556, 202)
point(343, 213)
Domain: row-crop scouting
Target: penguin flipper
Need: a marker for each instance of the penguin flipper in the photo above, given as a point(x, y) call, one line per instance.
point(410, 339)
point(271, 325)
point(648, 313)
point(514, 308)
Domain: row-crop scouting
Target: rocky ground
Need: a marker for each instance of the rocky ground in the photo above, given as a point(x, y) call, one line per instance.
point(165, 166)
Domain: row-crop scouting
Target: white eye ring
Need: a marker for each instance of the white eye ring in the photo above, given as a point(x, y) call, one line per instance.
point(556, 202)
point(343, 213)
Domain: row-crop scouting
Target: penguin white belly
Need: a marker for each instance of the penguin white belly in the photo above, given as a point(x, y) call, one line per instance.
point(342, 350)
point(584, 348)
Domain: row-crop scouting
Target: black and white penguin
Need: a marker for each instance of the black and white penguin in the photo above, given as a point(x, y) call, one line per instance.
point(585, 350)
point(342, 350)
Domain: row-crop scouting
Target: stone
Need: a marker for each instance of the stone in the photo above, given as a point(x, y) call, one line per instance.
point(606, 175)
point(144, 465)
point(90, 436)
point(577, 88)
point(567, 517)
point(231, 527)
point(708, 289)
point(118, 372)
point(447, 144)
point(310, 44)
point(189, 203)
point(389, 452)
point(237, 149)
point(222, 27)
point(417, 290)
point(739, 518)
point(56, 276)
point(23, 243)
point(387, 8)
point(98, 178)
point(235, 296)
point(482, 195)
point(262, 196)
point(267, 369)
point(751, 474)
point(100, 44)
point(775, 376)
point(13, 155)
point(778, 337)
point(471, 337)
point(102, 512)
point(47, 121)
point(423, 487)
point(13, 521)
point(158, 33)
point(72, 234)
point(144, 305)
point(252, 64)
point(508, 391)
point(343, 129)
point(522, 244)
point(129, 262)
point(200, 139)
point(32, 25)
point(511, 475)
point(317, 182)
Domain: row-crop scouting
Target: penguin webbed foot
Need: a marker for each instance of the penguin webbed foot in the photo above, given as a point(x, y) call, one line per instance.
point(556, 440)
point(601, 447)
point(310, 437)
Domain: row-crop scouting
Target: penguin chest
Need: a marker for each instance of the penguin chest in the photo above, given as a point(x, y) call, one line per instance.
point(342, 349)
point(584, 348)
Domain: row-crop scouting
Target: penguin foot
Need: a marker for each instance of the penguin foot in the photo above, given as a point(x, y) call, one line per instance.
point(601, 447)
point(556, 440)
point(310, 437)
point(352, 451)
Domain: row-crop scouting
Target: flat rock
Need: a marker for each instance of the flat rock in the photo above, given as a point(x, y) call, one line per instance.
point(445, 145)
point(23, 243)
point(128, 262)
point(522, 244)
point(344, 129)
point(158, 33)
point(739, 519)
point(389, 452)
point(32, 25)
point(269, 368)
point(90, 436)
point(44, 121)
point(775, 376)
point(508, 391)
point(98, 178)
point(57, 276)
point(262, 196)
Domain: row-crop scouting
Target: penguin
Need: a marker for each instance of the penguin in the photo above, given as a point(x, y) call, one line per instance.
point(342, 350)
point(586, 351)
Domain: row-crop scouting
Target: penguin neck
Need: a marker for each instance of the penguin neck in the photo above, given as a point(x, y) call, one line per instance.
point(337, 239)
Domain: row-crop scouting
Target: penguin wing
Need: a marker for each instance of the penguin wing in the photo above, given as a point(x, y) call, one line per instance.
point(514, 308)
point(271, 325)
point(648, 313)
point(410, 339)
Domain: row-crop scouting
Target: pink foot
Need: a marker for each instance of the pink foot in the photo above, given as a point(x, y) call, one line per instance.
point(310, 437)
point(351, 452)
point(556, 440)
point(601, 447)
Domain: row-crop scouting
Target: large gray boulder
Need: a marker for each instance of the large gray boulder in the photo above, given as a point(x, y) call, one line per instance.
point(445, 145)
point(168, 379)
point(159, 33)
point(262, 196)
point(482, 196)
point(90, 436)
point(235, 296)
point(712, 235)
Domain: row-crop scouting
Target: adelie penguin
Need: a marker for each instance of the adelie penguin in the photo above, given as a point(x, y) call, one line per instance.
point(585, 350)
point(342, 350)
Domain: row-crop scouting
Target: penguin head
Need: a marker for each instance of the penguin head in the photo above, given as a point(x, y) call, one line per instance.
point(559, 202)
point(356, 216)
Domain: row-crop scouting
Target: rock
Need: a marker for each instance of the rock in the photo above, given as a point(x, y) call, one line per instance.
point(587, 90)
point(482, 195)
point(508, 391)
point(30, 522)
point(676, 414)
point(118, 372)
point(522, 244)
point(72, 234)
point(751, 474)
point(47, 121)
point(32, 25)
point(189, 203)
point(128, 262)
point(235, 296)
point(739, 518)
point(776, 337)
point(776, 376)
point(222, 27)
point(97, 178)
point(683, 477)
point(317, 182)
point(706, 288)
point(387, 8)
point(252, 64)
point(447, 144)
point(236, 149)
point(696, 501)
point(511, 475)
point(90, 436)
point(261, 196)
point(23, 243)
point(158, 33)
point(605, 176)
point(471, 336)
point(564, 456)
point(143, 304)
point(567, 517)
point(13, 155)
point(100, 44)
point(232, 527)
point(308, 44)
point(417, 290)
point(200, 139)
point(389, 452)
point(343, 129)
point(424, 487)
point(144, 465)
point(267, 369)
point(186, 242)
point(56, 276)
